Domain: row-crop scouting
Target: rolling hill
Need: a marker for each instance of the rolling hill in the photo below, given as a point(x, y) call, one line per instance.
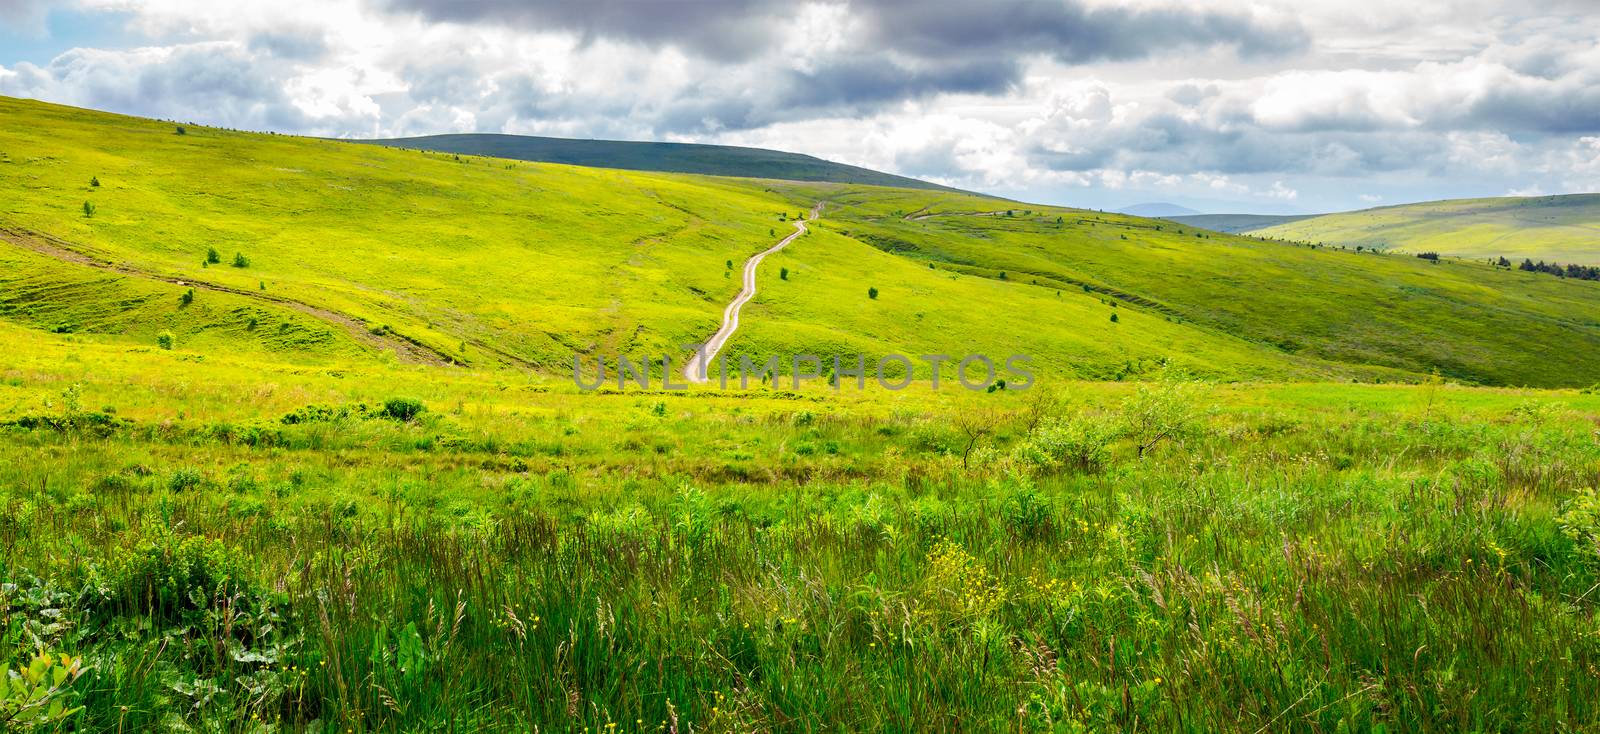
point(1564, 229)
point(715, 160)
point(362, 254)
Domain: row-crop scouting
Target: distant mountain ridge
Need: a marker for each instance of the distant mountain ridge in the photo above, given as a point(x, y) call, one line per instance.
point(1157, 209)
point(713, 160)
point(1236, 223)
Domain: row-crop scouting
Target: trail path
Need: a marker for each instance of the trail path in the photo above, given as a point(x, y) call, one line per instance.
point(54, 247)
point(695, 369)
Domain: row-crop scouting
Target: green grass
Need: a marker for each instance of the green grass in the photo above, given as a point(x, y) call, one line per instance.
point(1296, 557)
point(283, 524)
point(1563, 229)
point(500, 264)
point(1465, 320)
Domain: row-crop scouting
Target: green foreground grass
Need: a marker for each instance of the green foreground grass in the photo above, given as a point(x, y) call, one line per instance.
point(230, 545)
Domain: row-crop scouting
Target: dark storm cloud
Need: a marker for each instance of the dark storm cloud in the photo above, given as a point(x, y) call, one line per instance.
point(719, 29)
point(1070, 31)
point(870, 82)
point(971, 47)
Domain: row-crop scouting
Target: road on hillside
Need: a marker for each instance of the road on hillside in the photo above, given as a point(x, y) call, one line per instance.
point(699, 362)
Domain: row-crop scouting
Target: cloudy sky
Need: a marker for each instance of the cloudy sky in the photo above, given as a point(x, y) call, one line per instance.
point(1220, 105)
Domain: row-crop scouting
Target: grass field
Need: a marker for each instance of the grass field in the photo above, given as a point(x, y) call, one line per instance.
point(221, 554)
point(349, 486)
point(1564, 229)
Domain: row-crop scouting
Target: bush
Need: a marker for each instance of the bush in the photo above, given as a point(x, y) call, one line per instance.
point(187, 297)
point(1580, 521)
point(1114, 318)
point(185, 479)
point(240, 261)
point(1162, 410)
point(212, 256)
point(1080, 444)
point(872, 293)
point(168, 575)
point(94, 181)
point(783, 273)
point(88, 208)
point(166, 340)
point(402, 409)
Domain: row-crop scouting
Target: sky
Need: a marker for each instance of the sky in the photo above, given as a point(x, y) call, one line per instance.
point(1265, 106)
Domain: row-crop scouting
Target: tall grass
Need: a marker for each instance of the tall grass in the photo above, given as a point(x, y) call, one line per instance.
point(1418, 570)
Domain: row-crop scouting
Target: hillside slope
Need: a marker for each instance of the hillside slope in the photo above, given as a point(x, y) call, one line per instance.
point(1564, 229)
point(715, 160)
point(1468, 321)
point(494, 263)
point(434, 258)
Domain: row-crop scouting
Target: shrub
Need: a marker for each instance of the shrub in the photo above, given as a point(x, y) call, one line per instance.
point(1580, 521)
point(187, 297)
point(1114, 318)
point(240, 261)
point(402, 409)
point(94, 181)
point(168, 575)
point(212, 256)
point(1079, 444)
point(185, 479)
point(88, 208)
point(1162, 410)
point(872, 293)
point(166, 340)
point(783, 273)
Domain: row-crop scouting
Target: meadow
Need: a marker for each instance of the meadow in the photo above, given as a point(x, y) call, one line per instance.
point(288, 442)
point(220, 544)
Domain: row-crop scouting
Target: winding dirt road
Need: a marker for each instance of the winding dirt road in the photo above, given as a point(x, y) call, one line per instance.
point(695, 369)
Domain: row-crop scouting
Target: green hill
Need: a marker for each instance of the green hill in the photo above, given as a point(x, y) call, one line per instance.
point(715, 160)
point(1564, 229)
point(1235, 223)
point(358, 254)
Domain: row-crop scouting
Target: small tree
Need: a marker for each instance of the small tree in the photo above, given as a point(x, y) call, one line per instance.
point(180, 131)
point(240, 261)
point(730, 265)
point(94, 181)
point(1163, 410)
point(783, 273)
point(187, 298)
point(872, 293)
point(88, 208)
point(212, 256)
point(1114, 318)
point(166, 340)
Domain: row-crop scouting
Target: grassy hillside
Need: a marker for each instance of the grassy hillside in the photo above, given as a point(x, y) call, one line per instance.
point(492, 263)
point(716, 160)
point(1564, 229)
point(446, 259)
point(1465, 320)
point(1235, 223)
point(345, 486)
